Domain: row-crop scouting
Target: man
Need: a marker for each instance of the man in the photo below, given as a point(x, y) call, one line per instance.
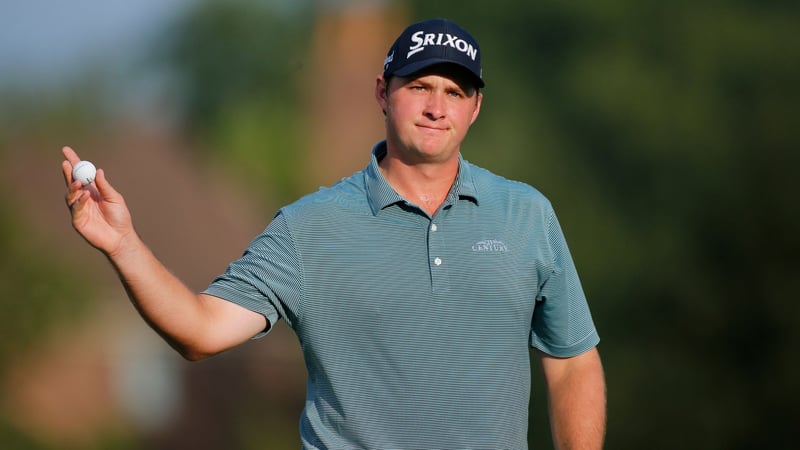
point(415, 286)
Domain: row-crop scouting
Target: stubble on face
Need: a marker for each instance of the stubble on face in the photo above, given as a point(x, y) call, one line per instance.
point(428, 114)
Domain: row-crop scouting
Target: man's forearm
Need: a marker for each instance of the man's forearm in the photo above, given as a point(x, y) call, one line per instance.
point(163, 301)
point(577, 401)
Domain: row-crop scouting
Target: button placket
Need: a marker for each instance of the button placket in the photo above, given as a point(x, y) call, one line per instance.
point(437, 260)
point(439, 277)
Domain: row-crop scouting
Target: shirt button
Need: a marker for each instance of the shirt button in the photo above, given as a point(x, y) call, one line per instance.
point(438, 261)
point(434, 227)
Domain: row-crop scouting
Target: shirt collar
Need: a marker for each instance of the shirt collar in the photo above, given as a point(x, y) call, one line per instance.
point(380, 194)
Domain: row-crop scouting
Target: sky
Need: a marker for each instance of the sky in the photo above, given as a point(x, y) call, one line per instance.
point(48, 41)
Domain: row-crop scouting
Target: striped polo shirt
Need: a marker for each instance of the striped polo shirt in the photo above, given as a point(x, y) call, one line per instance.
point(415, 329)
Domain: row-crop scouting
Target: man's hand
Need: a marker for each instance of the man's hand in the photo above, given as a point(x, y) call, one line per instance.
point(99, 213)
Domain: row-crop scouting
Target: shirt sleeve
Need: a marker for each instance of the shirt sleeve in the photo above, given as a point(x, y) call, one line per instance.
point(267, 278)
point(562, 324)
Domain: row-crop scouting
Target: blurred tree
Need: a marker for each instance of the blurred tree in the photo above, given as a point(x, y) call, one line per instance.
point(41, 287)
point(664, 134)
point(36, 294)
point(237, 69)
point(31, 290)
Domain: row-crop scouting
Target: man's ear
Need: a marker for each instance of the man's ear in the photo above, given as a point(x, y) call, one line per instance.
point(381, 93)
point(477, 111)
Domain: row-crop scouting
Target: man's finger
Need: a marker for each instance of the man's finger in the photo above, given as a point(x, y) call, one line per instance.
point(103, 186)
point(66, 167)
point(70, 154)
point(72, 158)
point(73, 197)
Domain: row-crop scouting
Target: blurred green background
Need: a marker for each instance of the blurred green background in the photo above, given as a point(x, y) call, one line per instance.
point(665, 134)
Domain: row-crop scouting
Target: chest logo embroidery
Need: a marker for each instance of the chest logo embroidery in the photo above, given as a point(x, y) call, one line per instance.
point(490, 245)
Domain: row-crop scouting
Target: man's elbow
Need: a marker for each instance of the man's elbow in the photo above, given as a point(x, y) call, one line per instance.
point(194, 352)
point(193, 356)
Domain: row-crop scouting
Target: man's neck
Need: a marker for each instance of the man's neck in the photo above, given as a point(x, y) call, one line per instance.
point(424, 184)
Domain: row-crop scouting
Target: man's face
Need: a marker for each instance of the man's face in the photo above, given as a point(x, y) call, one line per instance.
point(428, 114)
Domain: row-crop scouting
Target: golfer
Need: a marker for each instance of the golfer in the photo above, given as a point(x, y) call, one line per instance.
point(416, 286)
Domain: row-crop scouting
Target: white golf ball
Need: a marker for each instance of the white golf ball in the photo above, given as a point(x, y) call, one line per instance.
point(84, 171)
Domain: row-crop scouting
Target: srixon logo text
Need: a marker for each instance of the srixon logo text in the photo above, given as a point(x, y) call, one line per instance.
point(422, 40)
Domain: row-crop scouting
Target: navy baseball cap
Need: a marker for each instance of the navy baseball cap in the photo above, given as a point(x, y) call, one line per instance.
point(430, 42)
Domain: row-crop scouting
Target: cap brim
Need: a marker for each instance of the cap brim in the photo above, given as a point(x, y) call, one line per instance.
point(418, 66)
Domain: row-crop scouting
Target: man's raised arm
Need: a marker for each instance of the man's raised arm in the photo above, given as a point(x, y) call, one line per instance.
point(196, 325)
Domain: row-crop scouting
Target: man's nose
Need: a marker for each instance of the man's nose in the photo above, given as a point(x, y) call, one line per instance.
point(434, 107)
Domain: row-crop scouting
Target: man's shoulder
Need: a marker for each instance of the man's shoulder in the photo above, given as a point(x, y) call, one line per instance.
point(489, 183)
point(348, 193)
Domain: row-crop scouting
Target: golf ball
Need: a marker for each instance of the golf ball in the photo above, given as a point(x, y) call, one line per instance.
point(84, 171)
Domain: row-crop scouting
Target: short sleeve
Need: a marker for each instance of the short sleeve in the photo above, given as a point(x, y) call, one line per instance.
point(267, 278)
point(562, 324)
